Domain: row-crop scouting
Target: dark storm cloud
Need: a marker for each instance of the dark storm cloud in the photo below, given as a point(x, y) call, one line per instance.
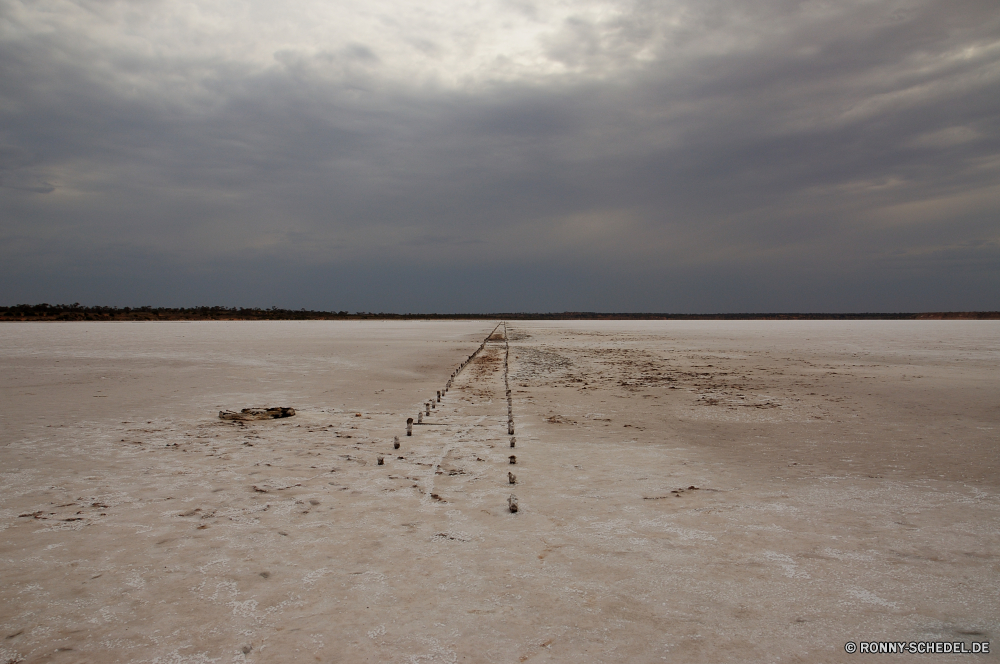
point(661, 156)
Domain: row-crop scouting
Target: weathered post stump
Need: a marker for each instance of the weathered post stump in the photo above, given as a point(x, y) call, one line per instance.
point(512, 503)
point(512, 441)
point(420, 418)
point(427, 406)
point(409, 426)
point(395, 442)
point(511, 478)
point(510, 428)
point(439, 396)
point(512, 458)
point(381, 461)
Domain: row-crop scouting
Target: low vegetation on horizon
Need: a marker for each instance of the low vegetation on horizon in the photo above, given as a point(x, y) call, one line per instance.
point(77, 312)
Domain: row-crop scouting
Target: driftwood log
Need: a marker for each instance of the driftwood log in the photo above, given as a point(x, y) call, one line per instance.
point(257, 414)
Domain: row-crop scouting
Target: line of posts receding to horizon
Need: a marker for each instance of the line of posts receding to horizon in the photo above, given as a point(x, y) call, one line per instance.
point(427, 406)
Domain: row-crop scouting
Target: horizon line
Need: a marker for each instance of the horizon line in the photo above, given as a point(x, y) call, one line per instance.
point(77, 312)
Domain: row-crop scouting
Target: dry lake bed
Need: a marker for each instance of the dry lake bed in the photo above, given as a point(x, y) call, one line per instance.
point(758, 491)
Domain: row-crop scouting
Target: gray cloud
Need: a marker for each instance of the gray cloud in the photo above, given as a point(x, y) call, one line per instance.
point(597, 156)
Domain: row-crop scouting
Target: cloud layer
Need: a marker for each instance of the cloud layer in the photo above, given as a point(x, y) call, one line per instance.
point(477, 156)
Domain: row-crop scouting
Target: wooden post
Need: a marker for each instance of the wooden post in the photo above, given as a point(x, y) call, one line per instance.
point(513, 459)
point(381, 461)
point(395, 442)
point(512, 441)
point(512, 503)
point(420, 418)
point(409, 426)
point(439, 396)
point(511, 478)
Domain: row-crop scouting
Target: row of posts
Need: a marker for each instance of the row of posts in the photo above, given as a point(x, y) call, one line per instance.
point(432, 404)
point(511, 477)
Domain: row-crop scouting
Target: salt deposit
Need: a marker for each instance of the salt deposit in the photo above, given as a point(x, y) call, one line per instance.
point(686, 491)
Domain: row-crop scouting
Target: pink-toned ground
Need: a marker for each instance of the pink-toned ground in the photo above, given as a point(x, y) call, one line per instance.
point(847, 474)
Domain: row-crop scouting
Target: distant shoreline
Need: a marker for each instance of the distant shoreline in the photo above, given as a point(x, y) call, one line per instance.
point(77, 313)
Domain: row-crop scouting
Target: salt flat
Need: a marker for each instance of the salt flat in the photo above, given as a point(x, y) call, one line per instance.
point(846, 475)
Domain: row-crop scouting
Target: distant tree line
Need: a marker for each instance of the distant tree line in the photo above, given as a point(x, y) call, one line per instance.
point(77, 312)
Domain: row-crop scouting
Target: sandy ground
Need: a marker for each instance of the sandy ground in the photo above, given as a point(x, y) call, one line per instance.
point(847, 480)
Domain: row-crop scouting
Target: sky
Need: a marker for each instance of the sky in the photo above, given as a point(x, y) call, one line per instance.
point(685, 156)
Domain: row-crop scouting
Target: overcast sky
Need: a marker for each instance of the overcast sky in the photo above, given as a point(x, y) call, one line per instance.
point(502, 155)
